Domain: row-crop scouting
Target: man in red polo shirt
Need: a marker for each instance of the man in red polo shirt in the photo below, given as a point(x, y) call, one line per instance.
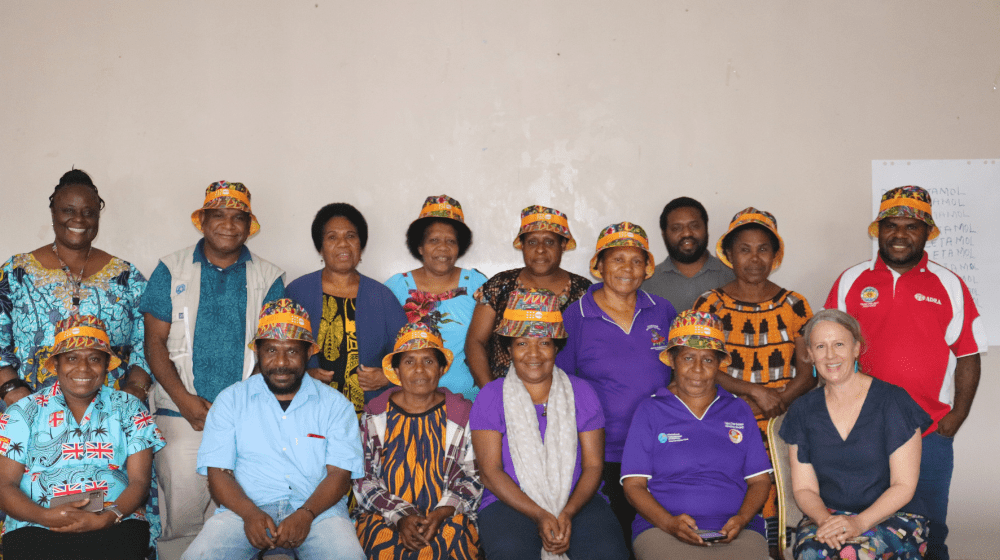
point(922, 333)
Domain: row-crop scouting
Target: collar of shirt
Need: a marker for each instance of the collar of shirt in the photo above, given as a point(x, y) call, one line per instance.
point(879, 264)
point(719, 392)
point(199, 255)
point(55, 393)
point(589, 307)
point(258, 389)
point(712, 264)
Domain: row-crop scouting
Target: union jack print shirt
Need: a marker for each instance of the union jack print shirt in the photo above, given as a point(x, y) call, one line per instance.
point(62, 457)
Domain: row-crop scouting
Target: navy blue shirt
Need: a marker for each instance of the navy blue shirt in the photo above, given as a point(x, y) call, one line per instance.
point(853, 473)
point(220, 328)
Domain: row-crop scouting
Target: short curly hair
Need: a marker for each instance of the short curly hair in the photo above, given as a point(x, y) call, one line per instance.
point(343, 210)
point(418, 229)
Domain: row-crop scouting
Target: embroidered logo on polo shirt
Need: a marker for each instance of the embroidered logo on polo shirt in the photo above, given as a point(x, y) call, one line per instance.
point(869, 297)
point(735, 435)
point(922, 297)
point(671, 438)
point(180, 288)
point(656, 339)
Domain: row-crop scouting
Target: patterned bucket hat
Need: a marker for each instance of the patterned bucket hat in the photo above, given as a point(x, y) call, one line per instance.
point(624, 234)
point(415, 336)
point(223, 194)
point(532, 314)
point(747, 216)
point(283, 319)
point(441, 207)
point(697, 329)
point(543, 218)
point(78, 332)
point(906, 202)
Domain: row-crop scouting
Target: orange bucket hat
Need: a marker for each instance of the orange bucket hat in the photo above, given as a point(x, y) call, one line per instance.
point(623, 234)
point(223, 194)
point(906, 202)
point(283, 319)
point(747, 216)
point(543, 218)
point(697, 329)
point(415, 336)
point(78, 332)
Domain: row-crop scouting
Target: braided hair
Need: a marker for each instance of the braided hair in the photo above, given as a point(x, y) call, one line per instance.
point(75, 177)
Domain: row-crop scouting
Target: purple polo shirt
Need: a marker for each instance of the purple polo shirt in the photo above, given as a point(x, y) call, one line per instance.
point(487, 414)
point(623, 367)
point(697, 467)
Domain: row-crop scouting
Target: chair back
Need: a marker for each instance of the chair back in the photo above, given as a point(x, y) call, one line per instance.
point(789, 513)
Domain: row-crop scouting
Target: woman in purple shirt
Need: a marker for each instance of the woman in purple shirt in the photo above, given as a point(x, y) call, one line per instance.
point(616, 333)
point(694, 460)
point(539, 440)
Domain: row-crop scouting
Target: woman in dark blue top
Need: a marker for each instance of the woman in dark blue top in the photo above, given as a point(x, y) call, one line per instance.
point(854, 450)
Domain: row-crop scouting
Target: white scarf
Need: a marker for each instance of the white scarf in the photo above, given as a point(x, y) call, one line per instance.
point(545, 470)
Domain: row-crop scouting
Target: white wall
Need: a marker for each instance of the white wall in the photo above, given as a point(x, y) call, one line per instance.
point(603, 109)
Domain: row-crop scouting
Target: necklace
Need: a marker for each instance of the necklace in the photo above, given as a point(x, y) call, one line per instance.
point(69, 275)
point(545, 408)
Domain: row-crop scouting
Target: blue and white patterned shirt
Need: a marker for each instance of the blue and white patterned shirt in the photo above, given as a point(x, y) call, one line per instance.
point(62, 457)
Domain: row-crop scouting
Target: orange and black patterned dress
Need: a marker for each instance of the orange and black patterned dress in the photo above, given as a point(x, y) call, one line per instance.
point(760, 337)
point(414, 471)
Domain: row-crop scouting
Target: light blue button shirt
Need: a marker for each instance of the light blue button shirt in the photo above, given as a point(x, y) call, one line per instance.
point(277, 454)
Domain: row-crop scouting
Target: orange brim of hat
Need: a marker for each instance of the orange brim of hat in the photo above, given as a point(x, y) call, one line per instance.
point(777, 258)
point(685, 341)
point(196, 218)
point(931, 235)
point(390, 373)
point(113, 361)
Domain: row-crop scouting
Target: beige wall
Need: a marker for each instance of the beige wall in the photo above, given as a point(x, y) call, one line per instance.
point(603, 109)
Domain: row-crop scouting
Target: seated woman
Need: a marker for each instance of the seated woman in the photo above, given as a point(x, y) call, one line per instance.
point(854, 450)
point(543, 238)
point(358, 318)
point(694, 460)
point(78, 439)
point(420, 492)
point(541, 483)
point(440, 293)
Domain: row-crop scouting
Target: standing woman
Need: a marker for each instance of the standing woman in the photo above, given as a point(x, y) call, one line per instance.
point(616, 333)
point(359, 317)
point(542, 239)
point(439, 293)
point(764, 324)
point(539, 440)
point(69, 277)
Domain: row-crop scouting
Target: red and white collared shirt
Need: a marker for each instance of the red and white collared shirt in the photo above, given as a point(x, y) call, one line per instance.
point(916, 325)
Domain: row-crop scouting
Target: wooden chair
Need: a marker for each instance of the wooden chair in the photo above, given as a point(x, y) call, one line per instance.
point(789, 513)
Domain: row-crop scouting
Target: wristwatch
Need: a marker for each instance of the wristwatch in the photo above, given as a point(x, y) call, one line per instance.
point(114, 509)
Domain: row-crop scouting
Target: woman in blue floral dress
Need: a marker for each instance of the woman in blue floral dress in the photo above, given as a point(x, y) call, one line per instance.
point(70, 277)
point(439, 293)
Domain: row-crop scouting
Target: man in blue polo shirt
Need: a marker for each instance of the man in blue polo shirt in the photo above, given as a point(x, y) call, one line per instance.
point(201, 307)
point(280, 450)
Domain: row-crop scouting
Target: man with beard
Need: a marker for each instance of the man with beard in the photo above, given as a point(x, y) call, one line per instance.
point(280, 450)
point(923, 333)
point(690, 271)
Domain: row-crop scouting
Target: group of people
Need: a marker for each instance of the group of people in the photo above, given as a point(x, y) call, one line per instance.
point(447, 415)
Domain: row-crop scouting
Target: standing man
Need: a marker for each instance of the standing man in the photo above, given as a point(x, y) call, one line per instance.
point(923, 333)
point(280, 451)
point(201, 307)
point(690, 271)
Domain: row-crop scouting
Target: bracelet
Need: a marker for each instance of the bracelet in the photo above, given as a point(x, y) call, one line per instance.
point(11, 385)
point(309, 510)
